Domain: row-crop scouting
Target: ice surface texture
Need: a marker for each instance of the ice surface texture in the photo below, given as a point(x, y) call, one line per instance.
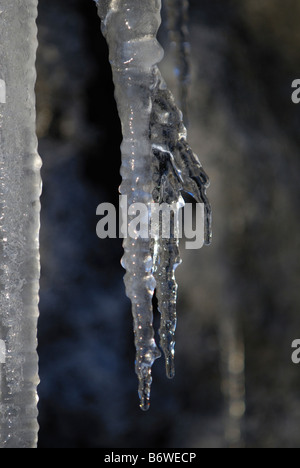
point(157, 164)
point(20, 189)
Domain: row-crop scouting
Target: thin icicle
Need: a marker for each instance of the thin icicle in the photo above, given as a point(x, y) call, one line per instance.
point(177, 169)
point(157, 164)
point(19, 225)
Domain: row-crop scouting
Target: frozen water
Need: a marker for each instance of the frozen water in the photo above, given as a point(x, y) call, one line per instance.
point(157, 165)
point(177, 169)
point(130, 28)
point(19, 225)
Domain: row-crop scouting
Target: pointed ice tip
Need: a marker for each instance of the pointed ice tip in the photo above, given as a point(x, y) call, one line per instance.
point(170, 368)
point(145, 381)
point(208, 233)
point(208, 240)
point(170, 373)
point(144, 402)
point(145, 405)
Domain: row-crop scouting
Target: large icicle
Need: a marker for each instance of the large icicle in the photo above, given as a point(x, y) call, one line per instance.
point(157, 164)
point(19, 225)
point(130, 27)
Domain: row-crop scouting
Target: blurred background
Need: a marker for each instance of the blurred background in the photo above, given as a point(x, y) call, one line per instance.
point(239, 300)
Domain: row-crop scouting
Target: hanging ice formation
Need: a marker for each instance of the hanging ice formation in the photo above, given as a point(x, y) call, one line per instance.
point(157, 165)
point(20, 188)
point(177, 14)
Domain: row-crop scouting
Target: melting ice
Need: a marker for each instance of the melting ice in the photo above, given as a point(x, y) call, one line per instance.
point(157, 166)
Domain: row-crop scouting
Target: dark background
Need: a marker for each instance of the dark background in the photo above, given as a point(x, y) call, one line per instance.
point(238, 299)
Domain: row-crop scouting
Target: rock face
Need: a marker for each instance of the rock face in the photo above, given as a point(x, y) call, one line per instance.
point(238, 299)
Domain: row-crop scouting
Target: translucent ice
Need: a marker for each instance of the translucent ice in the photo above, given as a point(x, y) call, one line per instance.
point(157, 165)
point(20, 187)
point(176, 169)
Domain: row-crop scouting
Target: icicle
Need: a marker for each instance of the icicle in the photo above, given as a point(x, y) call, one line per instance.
point(177, 169)
point(19, 225)
point(157, 164)
point(130, 28)
point(177, 13)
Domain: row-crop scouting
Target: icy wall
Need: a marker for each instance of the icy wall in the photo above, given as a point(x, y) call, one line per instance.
point(19, 225)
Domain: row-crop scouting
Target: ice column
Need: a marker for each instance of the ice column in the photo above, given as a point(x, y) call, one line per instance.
point(20, 188)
